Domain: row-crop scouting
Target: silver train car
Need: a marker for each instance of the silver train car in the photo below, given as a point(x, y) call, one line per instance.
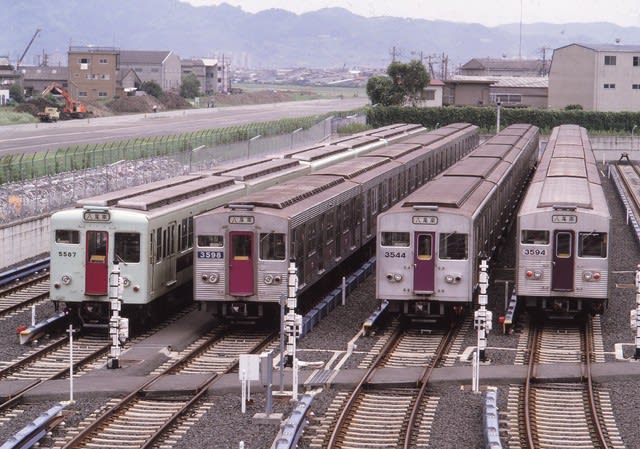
point(430, 244)
point(243, 250)
point(148, 229)
point(563, 231)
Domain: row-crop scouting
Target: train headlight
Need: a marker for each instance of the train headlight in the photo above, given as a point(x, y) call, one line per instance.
point(126, 281)
point(213, 278)
point(591, 276)
point(66, 279)
point(268, 279)
point(534, 274)
point(453, 278)
point(394, 277)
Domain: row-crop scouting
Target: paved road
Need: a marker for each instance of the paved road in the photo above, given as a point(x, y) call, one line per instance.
point(31, 138)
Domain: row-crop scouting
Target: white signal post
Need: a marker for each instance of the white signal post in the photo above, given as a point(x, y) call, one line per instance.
point(292, 325)
point(635, 316)
point(482, 322)
point(118, 326)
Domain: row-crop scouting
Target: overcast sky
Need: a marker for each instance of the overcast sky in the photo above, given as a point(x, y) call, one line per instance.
point(486, 12)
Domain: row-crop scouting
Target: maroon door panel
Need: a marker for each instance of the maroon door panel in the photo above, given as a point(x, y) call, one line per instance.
point(424, 262)
point(562, 272)
point(241, 264)
point(97, 263)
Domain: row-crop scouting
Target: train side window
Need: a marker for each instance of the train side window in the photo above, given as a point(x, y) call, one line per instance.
point(210, 241)
point(272, 246)
point(127, 247)
point(563, 245)
point(592, 244)
point(535, 237)
point(454, 246)
point(67, 236)
point(395, 239)
point(158, 244)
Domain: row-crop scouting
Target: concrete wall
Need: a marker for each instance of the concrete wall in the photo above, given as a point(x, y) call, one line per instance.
point(23, 240)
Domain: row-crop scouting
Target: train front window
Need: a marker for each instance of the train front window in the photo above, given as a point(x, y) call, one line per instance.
point(535, 237)
point(127, 247)
point(67, 236)
point(395, 239)
point(454, 246)
point(592, 244)
point(563, 245)
point(210, 241)
point(272, 246)
point(424, 247)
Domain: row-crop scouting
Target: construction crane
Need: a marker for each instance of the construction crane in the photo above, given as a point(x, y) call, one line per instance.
point(27, 49)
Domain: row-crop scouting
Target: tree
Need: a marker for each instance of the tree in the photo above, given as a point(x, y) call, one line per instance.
point(190, 87)
point(152, 88)
point(405, 82)
point(15, 93)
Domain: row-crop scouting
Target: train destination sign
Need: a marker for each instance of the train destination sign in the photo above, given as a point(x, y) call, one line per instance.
point(91, 215)
point(564, 219)
point(240, 219)
point(417, 220)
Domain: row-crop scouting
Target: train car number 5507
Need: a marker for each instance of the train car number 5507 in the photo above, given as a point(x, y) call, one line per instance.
point(534, 252)
point(66, 254)
point(393, 254)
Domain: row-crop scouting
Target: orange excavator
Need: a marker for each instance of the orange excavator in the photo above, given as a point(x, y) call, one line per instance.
point(72, 108)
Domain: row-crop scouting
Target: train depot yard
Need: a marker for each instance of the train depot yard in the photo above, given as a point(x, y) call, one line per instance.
point(407, 382)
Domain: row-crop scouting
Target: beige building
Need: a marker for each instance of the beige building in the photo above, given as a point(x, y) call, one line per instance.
point(163, 67)
point(213, 74)
point(599, 77)
point(92, 72)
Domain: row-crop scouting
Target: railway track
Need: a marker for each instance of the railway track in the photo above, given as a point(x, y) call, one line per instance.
point(22, 294)
point(562, 414)
point(393, 416)
point(142, 419)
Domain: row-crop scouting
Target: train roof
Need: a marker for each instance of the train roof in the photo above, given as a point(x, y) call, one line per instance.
point(567, 170)
point(262, 169)
point(354, 167)
point(475, 175)
point(289, 192)
point(174, 194)
point(112, 198)
point(316, 152)
point(396, 150)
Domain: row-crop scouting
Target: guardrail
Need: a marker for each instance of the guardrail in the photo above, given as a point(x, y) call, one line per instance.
point(490, 420)
point(32, 433)
point(291, 431)
point(9, 276)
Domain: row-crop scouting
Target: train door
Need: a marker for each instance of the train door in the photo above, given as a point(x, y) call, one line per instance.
point(424, 263)
point(563, 261)
point(241, 257)
point(97, 263)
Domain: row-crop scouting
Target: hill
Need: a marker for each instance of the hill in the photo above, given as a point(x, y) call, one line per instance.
point(331, 37)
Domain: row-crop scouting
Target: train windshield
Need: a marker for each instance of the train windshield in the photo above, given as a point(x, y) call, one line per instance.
point(127, 247)
point(211, 241)
point(535, 237)
point(272, 246)
point(67, 236)
point(454, 246)
point(395, 239)
point(592, 244)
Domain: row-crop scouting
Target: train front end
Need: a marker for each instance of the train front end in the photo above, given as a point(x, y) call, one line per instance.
point(84, 246)
point(241, 262)
point(422, 270)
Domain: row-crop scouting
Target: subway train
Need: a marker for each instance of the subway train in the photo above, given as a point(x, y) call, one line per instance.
point(430, 244)
point(148, 230)
point(243, 250)
point(563, 226)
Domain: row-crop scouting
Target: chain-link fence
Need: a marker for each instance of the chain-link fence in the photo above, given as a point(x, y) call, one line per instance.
point(116, 168)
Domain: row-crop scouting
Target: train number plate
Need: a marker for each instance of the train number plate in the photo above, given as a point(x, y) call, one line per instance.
point(534, 252)
point(210, 254)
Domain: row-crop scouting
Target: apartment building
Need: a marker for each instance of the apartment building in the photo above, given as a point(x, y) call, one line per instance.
point(163, 67)
point(599, 77)
point(92, 72)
